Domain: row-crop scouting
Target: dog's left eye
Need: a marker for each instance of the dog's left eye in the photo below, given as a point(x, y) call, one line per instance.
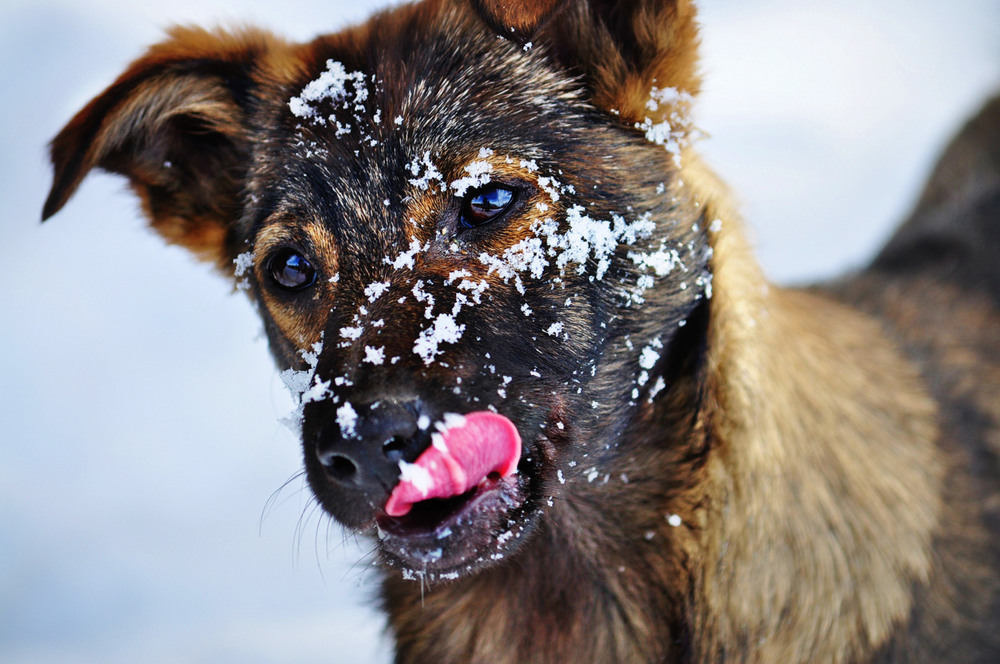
point(485, 204)
point(290, 270)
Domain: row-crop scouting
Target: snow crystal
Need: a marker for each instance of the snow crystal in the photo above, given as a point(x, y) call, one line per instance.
point(661, 262)
point(665, 96)
point(319, 391)
point(416, 475)
point(451, 421)
point(476, 287)
point(657, 388)
point(671, 133)
point(587, 237)
point(347, 418)
point(555, 329)
point(405, 259)
point(443, 330)
point(430, 172)
point(526, 255)
point(352, 333)
point(437, 441)
point(478, 175)
point(674, 520)
point(705, 282)
point(330, 85)
point(550, 186)
point(374, 355)
point(297, 382)
point(244, 263)
point(649, 355)
point(304, 386)
point(375, 290)
point(422, 296)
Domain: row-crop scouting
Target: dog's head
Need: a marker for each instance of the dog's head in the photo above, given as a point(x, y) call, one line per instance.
point(466, 229)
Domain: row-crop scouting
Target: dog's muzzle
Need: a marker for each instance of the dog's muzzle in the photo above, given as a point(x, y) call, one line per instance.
point(353, 451)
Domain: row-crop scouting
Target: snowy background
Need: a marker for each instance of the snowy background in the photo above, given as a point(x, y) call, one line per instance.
point(138, 406)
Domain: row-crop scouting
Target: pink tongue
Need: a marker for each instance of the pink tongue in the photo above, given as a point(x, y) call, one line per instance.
point(462, 454)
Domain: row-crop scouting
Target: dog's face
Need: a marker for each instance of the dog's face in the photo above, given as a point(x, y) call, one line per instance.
point(474, 273)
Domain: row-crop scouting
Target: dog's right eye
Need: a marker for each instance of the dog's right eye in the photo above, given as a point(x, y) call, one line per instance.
point(483, 204)
point(290, 270)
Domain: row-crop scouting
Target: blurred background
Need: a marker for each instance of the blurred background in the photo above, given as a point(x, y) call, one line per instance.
point(144, 510)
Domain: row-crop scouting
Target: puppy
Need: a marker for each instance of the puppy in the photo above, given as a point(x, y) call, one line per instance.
point(536, 363)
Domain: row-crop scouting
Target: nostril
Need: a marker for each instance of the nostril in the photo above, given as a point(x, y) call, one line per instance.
point(395, 448)
point(340, 467)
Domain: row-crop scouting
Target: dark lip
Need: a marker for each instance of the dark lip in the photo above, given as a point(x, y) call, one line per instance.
point(446, 538)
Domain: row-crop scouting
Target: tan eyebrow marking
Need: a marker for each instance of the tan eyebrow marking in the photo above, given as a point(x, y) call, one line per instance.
point(301, 324)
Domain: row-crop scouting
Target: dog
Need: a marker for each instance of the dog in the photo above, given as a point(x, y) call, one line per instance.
point(536, 363)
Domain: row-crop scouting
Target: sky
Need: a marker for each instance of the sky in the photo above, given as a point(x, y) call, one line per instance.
point(150, 504)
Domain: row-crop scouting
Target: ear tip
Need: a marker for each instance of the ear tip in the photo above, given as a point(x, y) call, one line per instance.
point(55, 201)
point(515, 20)
point(49, 210)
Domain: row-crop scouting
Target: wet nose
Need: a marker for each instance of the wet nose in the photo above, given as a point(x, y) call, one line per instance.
point(360, 449)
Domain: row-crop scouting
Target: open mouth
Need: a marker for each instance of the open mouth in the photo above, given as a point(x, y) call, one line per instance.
point(461, 503)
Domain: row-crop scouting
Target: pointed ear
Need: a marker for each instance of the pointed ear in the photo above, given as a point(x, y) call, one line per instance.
point(624, 49)
point(515, 19)
point(176, 124)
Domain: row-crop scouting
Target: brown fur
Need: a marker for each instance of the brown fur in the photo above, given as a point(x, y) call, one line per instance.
point(830, 452)
point(517, 20)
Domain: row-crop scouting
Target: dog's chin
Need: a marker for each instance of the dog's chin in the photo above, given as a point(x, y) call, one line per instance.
point(450, 538)
point(443, 539)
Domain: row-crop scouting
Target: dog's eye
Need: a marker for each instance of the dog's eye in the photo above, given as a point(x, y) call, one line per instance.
point(484, 204)
point(290, 270)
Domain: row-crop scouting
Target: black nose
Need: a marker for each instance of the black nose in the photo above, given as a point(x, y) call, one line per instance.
point(360, 446)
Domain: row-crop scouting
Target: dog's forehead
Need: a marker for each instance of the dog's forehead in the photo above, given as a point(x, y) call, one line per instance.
point(361, 125)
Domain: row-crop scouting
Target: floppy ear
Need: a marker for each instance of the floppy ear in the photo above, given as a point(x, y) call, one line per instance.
point(639, 58)
point(176, 124)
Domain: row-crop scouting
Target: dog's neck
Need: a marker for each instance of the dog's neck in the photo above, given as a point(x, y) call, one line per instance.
point(832, 495)
point(812, 394)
